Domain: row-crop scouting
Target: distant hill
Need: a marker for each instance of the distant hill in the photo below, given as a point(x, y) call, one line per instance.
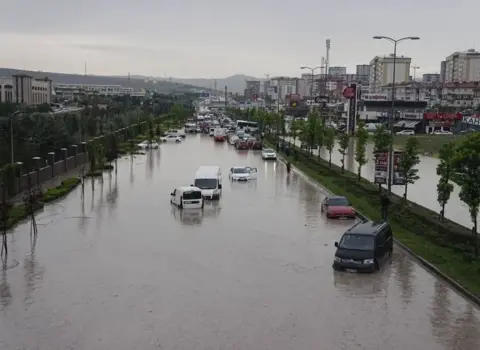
point(235, 83)
point(135, 83)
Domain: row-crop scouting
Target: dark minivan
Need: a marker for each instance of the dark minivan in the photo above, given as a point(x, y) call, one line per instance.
point(364, 247)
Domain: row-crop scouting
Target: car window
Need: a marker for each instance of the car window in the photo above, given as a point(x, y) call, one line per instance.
point(192, 195)
point(338, 201)
point(240, 170)
point(357, 242)
point(381, 238)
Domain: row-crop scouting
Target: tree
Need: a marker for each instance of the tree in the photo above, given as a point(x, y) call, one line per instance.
point(294, 128)
point(382, 140)
point(151, 132)
point(408, 162)
point(343, 142)
point(445, 171)
point(466, 167)
point(330, 143)
point(309, 132)
point(319, 135)
point(360, 150)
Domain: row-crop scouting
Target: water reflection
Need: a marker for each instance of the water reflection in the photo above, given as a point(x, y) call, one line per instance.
point(241, 185)
point(360, 286)
point(33, 272)
point(112, 196)
point(440, 316)
point(5, 290)
point(404, 266)
point(310, 198)
point(212, 209)
point(187, 217)
point(150, 163)
point(131, 171)
point(465, 331)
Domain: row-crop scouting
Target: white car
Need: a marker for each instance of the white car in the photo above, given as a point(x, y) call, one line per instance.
point(148, 145)
point(242, 173)
point(232, 139)
point(175, 132)
point(442, 132)
point(171, 138)
point(406, 132)
point(268, 153)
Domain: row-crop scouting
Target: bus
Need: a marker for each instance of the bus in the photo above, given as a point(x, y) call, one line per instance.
point(246, 124)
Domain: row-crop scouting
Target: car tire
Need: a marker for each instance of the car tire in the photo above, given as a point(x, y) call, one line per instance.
point(164, 141)
point(177, 141)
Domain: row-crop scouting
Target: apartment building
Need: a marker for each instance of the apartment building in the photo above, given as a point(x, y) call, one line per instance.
point(381, 71)
point(26, 90)
point(462, 66)
point(283, 86)
point(71, 91)
point(363, 74)
point(431, 78)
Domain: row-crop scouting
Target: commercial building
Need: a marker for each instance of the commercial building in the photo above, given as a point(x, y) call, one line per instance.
point(443, 71)
point(26, 90)
point(462, 66)
point(381, 71)
point(281, 87)
point(431, 78)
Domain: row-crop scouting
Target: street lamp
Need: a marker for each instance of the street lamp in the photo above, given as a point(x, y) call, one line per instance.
point(313, 74)
point(390, 150)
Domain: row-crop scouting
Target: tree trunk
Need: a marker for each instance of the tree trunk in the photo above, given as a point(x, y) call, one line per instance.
point(330, 159)
point(380, 188)
point(442, 213)
point(405, 193)
point(359, 174)
point(476, 237)
point(343, 163)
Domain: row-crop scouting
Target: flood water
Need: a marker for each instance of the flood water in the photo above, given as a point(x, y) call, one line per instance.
point(120, 268)
point(423, 191)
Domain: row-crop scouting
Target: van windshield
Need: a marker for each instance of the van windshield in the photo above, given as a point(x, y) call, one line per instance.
point(357, 242)
point(192, 195)
point(206, 184)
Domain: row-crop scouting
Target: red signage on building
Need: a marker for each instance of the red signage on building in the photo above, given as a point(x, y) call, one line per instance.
point(442, 116)
point(349, 92)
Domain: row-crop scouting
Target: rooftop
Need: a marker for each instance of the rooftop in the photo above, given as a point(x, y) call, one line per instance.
point(367, 228)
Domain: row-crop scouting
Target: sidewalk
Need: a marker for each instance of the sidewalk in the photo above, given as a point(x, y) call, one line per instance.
point(52, 183)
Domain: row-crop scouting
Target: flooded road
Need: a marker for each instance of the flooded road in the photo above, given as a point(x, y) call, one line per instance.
point(423, 191)
point(125, 270)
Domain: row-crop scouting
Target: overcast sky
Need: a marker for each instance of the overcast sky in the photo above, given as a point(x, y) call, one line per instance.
point(213, 38)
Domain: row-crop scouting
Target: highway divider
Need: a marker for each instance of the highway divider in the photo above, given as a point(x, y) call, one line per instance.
point(447, 254)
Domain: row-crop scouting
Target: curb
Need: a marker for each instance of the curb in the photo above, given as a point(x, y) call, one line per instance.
point(427, 265)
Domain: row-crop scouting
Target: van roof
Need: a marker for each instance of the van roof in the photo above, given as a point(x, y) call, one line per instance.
point(207, 171)
point(369, 228)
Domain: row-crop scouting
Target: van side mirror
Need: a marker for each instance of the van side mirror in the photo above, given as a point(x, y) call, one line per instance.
point(336, 244)
point(219, 186)
point(172, 194)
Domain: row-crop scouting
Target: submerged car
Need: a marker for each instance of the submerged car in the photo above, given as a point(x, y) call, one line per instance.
point(242, 173)
point(241, 145)
point(148, 145)
point(337, 207)
point(269, 153)
point(171, 138)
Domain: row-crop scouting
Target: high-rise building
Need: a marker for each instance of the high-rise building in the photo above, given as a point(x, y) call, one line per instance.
point(431, 78)
point(363, 74)
point(381, 71)
point(253, 86)
point(336, 71)
point(443, 71)
point(462, 66)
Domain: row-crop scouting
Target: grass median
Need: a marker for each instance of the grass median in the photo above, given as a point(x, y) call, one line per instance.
point(20, 212)
point(450, 252)
point(429, 145)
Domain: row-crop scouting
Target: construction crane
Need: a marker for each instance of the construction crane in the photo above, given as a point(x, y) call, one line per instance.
point(415, 71)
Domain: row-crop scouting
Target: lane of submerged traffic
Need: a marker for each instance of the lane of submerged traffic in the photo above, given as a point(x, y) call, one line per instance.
point(126, 270)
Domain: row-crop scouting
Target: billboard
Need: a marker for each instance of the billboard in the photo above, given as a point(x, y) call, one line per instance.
point(381, 168)
point(375, 97)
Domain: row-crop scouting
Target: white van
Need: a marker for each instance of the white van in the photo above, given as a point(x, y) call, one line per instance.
point(209, 180)
point(187, 197)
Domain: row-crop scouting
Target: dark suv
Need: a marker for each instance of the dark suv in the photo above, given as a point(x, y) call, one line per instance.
point(364, 247)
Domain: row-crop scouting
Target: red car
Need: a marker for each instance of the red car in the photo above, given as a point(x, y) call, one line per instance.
point(337, 207)
point(241, 144)
point(219, 138)
point(257, 145)
point(250, 142)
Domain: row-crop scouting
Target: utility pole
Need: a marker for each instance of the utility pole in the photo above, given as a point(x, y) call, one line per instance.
point(225, 98)
point(327, 63)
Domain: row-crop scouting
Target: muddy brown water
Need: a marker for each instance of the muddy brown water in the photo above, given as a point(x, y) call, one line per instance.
point(122, 269)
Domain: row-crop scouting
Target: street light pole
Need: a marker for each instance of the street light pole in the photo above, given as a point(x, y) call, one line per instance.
point(392, 116)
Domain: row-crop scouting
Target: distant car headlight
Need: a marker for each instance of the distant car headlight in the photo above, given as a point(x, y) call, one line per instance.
point(368, 261)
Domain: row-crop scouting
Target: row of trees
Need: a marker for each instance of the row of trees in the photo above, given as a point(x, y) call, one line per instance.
point(459, 161)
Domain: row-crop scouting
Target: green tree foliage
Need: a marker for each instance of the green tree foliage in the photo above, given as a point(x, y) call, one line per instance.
point(319, 135)
point(309, 130)
point(445, 171)
point(360, 150)
point(343, 141)
point(466, 167)
point(408, 162)
point(295, 127)
point(330, 143)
